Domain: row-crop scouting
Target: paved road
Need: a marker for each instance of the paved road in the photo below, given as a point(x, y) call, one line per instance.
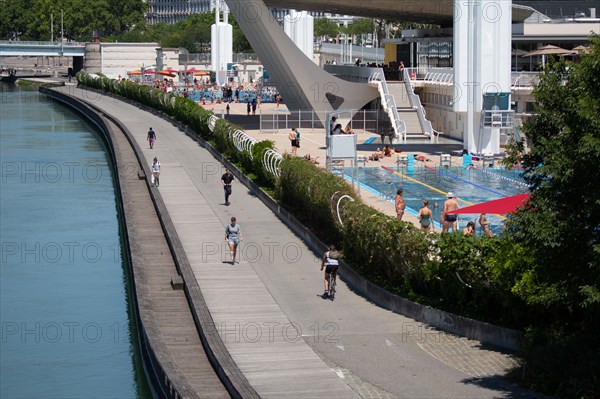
point(265, 303)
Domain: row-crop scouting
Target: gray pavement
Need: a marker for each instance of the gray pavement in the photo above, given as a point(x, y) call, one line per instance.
point(271, 299)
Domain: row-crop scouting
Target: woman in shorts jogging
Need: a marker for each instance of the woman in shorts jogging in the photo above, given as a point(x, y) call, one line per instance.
point(233, 236)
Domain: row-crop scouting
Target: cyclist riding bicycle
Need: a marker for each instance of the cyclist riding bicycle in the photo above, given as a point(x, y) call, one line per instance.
point(331, 263)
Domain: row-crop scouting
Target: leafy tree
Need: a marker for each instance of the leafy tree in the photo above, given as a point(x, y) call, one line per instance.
point(14, 18)
point(326, 27)
point(31, 19)
point(361, 26)
point(561, 225)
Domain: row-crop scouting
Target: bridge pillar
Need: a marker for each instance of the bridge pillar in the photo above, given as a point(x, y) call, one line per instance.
point(77, 64)
point(302, 84)
point(93, 58)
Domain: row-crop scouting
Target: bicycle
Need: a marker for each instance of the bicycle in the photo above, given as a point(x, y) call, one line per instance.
point(331, 286)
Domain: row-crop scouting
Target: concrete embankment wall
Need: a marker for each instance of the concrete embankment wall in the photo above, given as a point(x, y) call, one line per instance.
point(168, 379)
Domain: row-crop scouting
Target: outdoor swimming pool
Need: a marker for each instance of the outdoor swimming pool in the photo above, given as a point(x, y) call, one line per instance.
point(471, 186)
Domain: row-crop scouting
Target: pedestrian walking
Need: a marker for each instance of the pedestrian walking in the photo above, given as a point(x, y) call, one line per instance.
point(151, 137)
point(155, 172)
point(233, 236)
point(248, 108)
point(227, 180)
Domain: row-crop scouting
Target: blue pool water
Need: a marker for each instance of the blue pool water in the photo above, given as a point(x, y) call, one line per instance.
point(471, 186)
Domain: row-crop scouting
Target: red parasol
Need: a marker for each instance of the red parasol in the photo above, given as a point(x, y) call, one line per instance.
point(165, 73)
point(191, 70)
point(499, 206)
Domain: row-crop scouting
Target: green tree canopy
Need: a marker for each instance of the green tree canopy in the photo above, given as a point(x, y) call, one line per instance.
point(31, 19)
point(562, 224)
point(360, 27)
point(560, 228)
point(326, 27)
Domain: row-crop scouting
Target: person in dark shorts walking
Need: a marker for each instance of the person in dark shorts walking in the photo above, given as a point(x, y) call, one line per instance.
point(227, 180)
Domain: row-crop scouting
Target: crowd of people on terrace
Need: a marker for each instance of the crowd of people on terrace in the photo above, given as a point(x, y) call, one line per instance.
point(205, 92)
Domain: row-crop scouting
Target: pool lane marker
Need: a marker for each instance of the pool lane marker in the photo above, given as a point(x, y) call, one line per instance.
point(391, 200)
point(502, 177)
point(430, 187)
point(443, 173)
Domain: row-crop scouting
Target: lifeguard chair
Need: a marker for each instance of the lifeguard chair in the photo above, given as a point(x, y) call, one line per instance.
point(488, 160)
point(445, 160)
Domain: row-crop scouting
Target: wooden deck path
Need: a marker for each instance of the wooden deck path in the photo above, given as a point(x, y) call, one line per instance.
point(167, 324)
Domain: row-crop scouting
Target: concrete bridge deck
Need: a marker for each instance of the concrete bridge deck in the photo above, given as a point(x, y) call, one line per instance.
point(283, 336)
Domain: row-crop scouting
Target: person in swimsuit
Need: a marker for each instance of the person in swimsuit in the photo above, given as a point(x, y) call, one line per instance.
point(400, 204)
point(470, 229)
point(450, 221)
point(426, 217)
point(485, 225)
point(293, 141)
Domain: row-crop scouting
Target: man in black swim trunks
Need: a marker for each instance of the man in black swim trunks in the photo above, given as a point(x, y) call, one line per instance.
point(450, 221)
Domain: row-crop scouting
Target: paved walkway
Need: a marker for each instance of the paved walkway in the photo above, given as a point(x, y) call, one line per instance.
point(283, 336)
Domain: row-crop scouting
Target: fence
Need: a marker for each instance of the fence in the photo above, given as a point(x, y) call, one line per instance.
point(366, 120)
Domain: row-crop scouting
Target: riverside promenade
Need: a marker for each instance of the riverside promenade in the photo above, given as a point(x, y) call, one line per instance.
point(267, 309)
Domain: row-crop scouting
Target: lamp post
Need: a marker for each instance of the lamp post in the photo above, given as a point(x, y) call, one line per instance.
point(62, 33)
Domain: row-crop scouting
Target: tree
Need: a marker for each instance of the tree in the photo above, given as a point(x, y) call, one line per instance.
point(560, 227)
point(326, 27)
point(361, 26)
point(561, 223)
point(14, 18)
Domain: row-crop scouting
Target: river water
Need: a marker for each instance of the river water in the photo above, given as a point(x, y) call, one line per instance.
point(67, 325)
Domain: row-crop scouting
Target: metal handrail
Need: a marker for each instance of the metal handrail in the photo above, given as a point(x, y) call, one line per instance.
point(272, 162)
point(389, 104)
point(415, 102)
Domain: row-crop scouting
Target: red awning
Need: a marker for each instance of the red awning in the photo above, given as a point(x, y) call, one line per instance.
point(500, 206)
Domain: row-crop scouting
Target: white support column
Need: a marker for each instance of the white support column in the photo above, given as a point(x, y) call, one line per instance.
point(299, 26)
point(221, 39)
point(482, 43)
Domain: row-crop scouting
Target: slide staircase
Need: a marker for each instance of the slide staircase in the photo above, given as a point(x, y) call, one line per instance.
point(403, 106)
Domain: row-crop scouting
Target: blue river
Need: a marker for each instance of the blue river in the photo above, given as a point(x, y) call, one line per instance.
point(68, 327)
